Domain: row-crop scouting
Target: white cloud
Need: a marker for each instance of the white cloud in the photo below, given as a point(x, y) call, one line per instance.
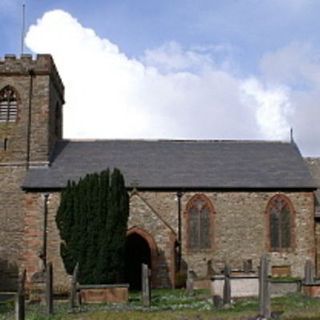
point(168, 93)
point(298, 66)
point(271, 106)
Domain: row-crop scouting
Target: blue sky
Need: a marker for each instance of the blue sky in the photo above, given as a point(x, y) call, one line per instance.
point(223, 69)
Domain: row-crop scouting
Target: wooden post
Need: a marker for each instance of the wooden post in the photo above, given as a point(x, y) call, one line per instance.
point(146, 293)
point(73, 292)
point(20, 297)
point(49, 289)
point(264, 289)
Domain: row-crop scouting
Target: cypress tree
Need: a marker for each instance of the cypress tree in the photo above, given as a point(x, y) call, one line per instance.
point(92, 219)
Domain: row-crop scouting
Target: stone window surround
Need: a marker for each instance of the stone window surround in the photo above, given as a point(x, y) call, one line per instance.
point(11, 103)
point(292, 229)
point(212, 212)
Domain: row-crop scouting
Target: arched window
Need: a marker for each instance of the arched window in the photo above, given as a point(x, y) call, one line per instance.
point(8, 105)
point(199, 223)
point(280, 220)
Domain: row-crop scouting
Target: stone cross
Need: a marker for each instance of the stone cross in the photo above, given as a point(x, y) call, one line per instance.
point(309, 273)
point(227, 285)
point(20, 297)
point(146, 292)
point(73, 290)
point(264, 289)
point(49, 288)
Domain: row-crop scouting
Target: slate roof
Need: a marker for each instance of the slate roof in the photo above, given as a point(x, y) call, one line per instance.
point(175, 164)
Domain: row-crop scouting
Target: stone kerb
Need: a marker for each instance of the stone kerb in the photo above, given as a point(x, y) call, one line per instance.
point(104, 293)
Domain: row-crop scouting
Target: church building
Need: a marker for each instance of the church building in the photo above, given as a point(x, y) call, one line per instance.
point(194, 204)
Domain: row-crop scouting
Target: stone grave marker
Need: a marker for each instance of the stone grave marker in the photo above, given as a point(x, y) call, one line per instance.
point(20, 297)
point(146, 292)
point(49, 288)
point(73, 289)
point(227, 285)
point(190, 282)
point(309, 273)
point(264, 289)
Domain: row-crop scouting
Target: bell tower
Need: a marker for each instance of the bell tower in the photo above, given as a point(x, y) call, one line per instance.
point(31, 99)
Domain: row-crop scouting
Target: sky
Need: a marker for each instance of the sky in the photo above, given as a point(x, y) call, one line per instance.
point(179, 69)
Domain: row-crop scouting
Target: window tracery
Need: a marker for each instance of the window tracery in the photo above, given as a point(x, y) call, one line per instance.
point(199, 223)
point(280, 216)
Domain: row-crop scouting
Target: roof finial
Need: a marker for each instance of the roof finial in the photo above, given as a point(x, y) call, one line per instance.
point(291, 135)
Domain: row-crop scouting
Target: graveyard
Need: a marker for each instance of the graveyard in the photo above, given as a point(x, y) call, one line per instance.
point(173, 304)
point(185, 303)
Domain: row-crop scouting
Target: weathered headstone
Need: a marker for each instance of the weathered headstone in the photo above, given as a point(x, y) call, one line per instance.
point(190, 282)
point(247, 266)
point(227, 285)
point(20, 297)
point(264, 289)
point(217, 301)
point(146, 292)
point(49, 288)
point(73, 290)
point(309, 272)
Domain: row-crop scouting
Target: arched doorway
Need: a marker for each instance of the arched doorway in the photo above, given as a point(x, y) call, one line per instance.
point(137, 252)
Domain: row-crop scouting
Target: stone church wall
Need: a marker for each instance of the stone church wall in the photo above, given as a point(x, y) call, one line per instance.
point(239, 233)
point(38, 87)
point(11, 226)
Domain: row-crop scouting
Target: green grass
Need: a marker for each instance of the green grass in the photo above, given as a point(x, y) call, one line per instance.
point(174, 305)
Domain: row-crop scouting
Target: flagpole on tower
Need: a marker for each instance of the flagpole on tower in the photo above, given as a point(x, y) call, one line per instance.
point(23, 27)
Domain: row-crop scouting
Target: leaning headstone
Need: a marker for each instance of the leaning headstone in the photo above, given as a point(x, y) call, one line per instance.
point(49, 288)
point(73, 291)
point(227, 285)
point(20, 297)
point(309, 272)
point(146, 292)
point(190, 282)
point(264, 289)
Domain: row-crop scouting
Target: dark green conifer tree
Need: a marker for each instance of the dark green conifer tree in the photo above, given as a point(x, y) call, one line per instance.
point(92, 220)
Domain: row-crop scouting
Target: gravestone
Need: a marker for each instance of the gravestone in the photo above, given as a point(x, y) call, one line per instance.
point(49, 288)
point(146, 292)
point(264, 289)
point(73, 289)
point(247, 266)
point(309, 273)
point(190, 282)
point(20, 297)
point(227, 285)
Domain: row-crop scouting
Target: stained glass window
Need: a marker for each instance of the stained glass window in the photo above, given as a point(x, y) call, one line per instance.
point(199, 210)
point(8, 105)
point(280, 223)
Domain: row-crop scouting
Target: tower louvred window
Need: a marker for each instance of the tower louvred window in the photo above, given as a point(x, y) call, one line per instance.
point(8, 105)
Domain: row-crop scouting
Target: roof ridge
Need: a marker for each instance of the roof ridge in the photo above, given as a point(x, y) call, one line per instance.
point(177, 140)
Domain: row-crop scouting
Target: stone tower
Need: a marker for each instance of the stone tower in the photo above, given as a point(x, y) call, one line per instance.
point(31, 99)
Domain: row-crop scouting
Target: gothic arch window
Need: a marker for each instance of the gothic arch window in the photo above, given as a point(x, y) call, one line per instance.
point(280, 215)
point(199, 213)
point(8, 105)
